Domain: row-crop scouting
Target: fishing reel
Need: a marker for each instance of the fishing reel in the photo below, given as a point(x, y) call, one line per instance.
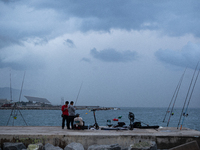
point(131, 117)
point(185, 114)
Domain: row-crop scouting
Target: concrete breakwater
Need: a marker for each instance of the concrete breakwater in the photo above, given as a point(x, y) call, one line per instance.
point(165, 138)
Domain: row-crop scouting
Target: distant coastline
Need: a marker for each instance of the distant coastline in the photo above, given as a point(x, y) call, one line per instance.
point(58, 108)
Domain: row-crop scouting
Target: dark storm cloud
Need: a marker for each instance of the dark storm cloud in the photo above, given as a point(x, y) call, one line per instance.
point(69, 43)
point(188, 56)
point(111, 55)
point(172, 17)
point(47, 19)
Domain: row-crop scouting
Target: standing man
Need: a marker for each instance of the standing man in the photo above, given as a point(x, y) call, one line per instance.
point(65, 115)
point(71, 110)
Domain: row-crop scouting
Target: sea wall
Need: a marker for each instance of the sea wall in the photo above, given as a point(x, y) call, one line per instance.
point(165, 137)
point(163, 142)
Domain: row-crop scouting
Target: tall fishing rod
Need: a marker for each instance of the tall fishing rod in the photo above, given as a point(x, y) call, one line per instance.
point(178, 88)
point(78, 93)
point(174, 95)
point(189, 99)
point(22, 87)
point(21, 94)
point(15, 109)
point(187, 95)
point(10, 88)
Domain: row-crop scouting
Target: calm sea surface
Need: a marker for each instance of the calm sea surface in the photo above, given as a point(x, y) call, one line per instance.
point(150, 116)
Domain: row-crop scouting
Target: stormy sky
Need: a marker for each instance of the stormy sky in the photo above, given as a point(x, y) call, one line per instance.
point(124, 53)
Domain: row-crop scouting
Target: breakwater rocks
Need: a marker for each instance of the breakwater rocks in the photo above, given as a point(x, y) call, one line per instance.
point(148, 145)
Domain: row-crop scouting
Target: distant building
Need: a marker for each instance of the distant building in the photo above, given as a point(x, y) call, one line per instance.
point(4, 101)
point(36, 101)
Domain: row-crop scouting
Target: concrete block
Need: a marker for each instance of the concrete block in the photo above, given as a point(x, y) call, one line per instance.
point(38, 146)
point(187, 146)
point(143, 145)
point(106, 147)
point(13, 146)
point(51, 147)
point(74, 146)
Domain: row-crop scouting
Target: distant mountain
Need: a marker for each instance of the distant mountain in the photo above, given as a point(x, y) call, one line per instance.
point(5, 94)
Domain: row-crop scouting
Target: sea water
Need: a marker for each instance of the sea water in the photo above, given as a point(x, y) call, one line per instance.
point(147, 116)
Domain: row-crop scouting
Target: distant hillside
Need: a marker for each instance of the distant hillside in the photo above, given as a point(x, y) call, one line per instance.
point(5, 94)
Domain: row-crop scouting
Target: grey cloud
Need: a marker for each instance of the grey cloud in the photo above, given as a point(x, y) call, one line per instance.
point(188, 56)
point(7, 41)
point(86, 60)
point(47, 19)
point(111, 55)
point(175, 18)
point(28, 62)
point(69, 43)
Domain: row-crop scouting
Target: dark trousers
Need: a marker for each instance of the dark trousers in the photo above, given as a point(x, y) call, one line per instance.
point(71, 121)
point(65, 119)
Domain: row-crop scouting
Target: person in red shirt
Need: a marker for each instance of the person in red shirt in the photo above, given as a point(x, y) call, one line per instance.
point(65, 115)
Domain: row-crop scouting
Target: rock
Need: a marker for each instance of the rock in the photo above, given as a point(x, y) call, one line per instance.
point(144, 145)
point(13, 146)
point(74, 146)
point(38, 146)
point(51, 147)
point(104, 147)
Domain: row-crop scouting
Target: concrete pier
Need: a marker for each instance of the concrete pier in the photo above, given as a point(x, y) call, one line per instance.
point(166, 138)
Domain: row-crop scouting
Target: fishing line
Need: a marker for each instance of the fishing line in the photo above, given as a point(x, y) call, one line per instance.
point(189, 99)
point(187, 95)
point(174, 95)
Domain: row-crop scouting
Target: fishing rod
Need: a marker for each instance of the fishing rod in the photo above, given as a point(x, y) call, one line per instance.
point(21, 94)
point(10, 88)
point(187, 95)
point(176, 97)
point(189, 99)
point(22, 86)
point(15, 109)
point(78, 93)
